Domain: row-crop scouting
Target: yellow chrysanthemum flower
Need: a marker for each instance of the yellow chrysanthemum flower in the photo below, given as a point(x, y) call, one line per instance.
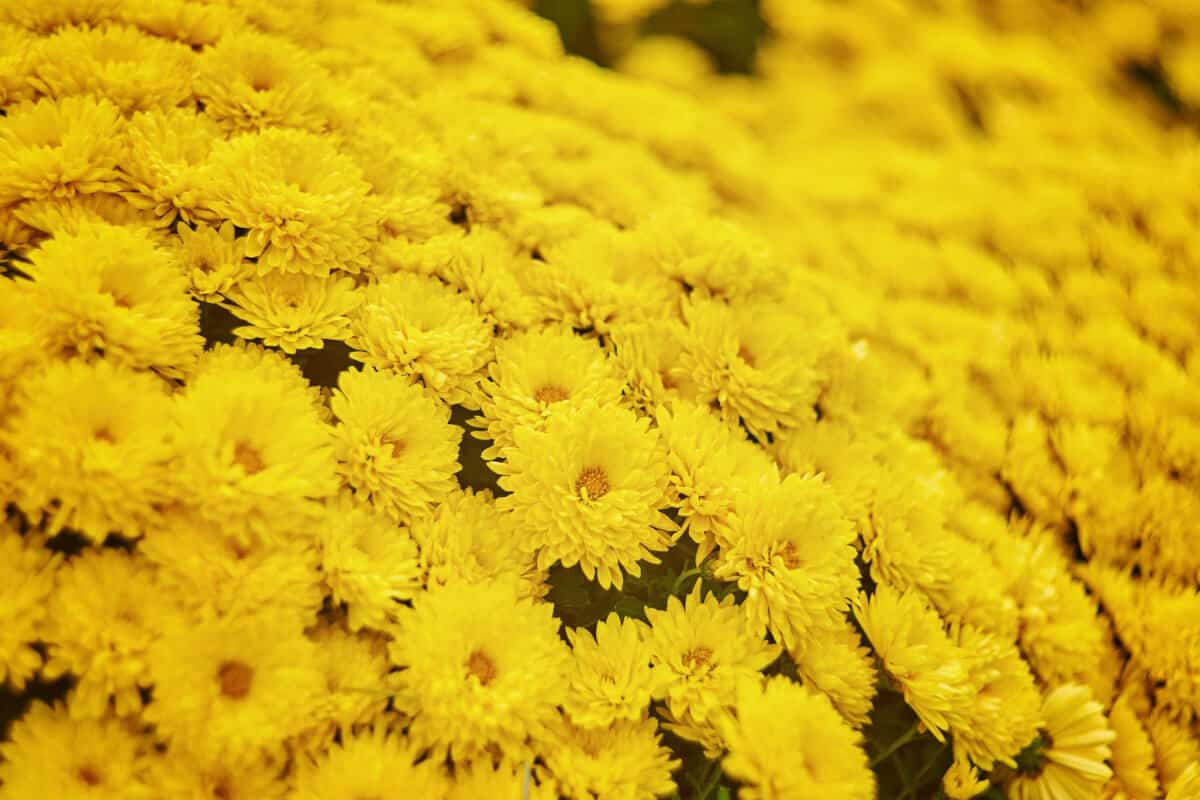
point(105, 612)
point(840, 666)
point(303, 202)
point(534, 372)
point(371, 762)
point(27, 573)
point(717, 257)
point(648, 354)
point(711, 462)
point(213, 259)
point(482, 778)
point(1187, 785)
point(182, 775)
point(788, 743)
point(587, 489)
point(255, 457)
point(50, 753)
point(472, 680)
point(293, 311)
point(233, 688)
point(1134, 776)
point(790, 548)
point(112, 290)
point(704, 646)
point(59, 149)
point(91, 445)
point(1175, 746)
point(213, 571)
point(368, 562)
point(164, 156)
point(626, 759)
point(1075, 744)
point(467, 539)
point(395, 445)
point(915, 650)
point(962, 780)
point(612, 678)
point(355, 668)
point(420, 327)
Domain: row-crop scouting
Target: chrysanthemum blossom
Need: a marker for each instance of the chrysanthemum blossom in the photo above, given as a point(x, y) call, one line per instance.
point(1075, 745)
point(91, 445)
point(838, 664)
point(626, 759)
point(293, 311)
point(790, 548)
point(1132, 759)
point(355, 668)
point(533, 373)
point(473, 680)
point(395, 445)
point(588, 489)
point(703, 647)
point(370, 762)
point(27, 573)
point(184, 775)
point(233, 688)
point(50, 753)
point(368, 562)
point(467, 539)
point(104, 614)
point(647, 352)
point(165, 153)
point(421, 328)
point(917, 653)
point(786, 741)
point(212, 258)
point(612, 678)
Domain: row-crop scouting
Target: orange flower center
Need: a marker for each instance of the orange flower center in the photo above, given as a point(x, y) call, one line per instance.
point(791, 558)
point(482, 667)
point(697, 658)
point(236, 678)
point(594, 481)
point(550, 393)
point(89, 775)
point(248, 457)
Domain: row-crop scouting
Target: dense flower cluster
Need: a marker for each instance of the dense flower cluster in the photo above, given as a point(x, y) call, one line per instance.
point(875, 378)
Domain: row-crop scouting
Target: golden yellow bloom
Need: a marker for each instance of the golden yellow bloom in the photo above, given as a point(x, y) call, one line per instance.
point(304, 203)
point(420, 327)
point(255, 457)
point(293, 311)
point(90, 444)
point(786, 741)
point(1133, 768)
point(587, 489)
point(482, 778)
point(472, 680)
point(59, 149)
point(183, 775)
point(1075, 745)
point(113, 291)
point(371, 762)
point(467, 539)
point(790, 548)
point(647, 353)
point(839, 665)
point(165, 151)
point(355, 668)
point(612, 678)
point(249, 82)
point(534, 372)
point(105, 612)
point(50, 753)
point(368, 562)
point(212, 259)
point(704, 646)
point(1175, 747)
point(915, 650)
point(395, 445)
point(1187, 785)
point(233, 688)
point(962, 781)
point(27, 572)
point(626, 759)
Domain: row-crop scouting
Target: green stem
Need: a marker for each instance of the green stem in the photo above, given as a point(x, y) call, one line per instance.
point(711, 780)
point(683, 576)
point(900, 741)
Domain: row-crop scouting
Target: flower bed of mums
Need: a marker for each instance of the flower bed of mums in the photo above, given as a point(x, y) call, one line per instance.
point(394, 406)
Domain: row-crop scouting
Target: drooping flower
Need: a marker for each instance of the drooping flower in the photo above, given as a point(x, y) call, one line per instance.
point(1134, 775)
point(587, 489)
point(395, 445)
point(472, 680)
point(1075, 744)
point(786, 741)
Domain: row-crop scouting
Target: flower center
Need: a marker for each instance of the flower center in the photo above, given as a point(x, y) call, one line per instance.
point(397, 445)
point(697, 657)
point(746, 355)
point(550, 393)
point(791, 558)
point(482, 667)
point(104, 435)
point(248, 457)
point(89, 775)
point(236, 678)
point(593, 481)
